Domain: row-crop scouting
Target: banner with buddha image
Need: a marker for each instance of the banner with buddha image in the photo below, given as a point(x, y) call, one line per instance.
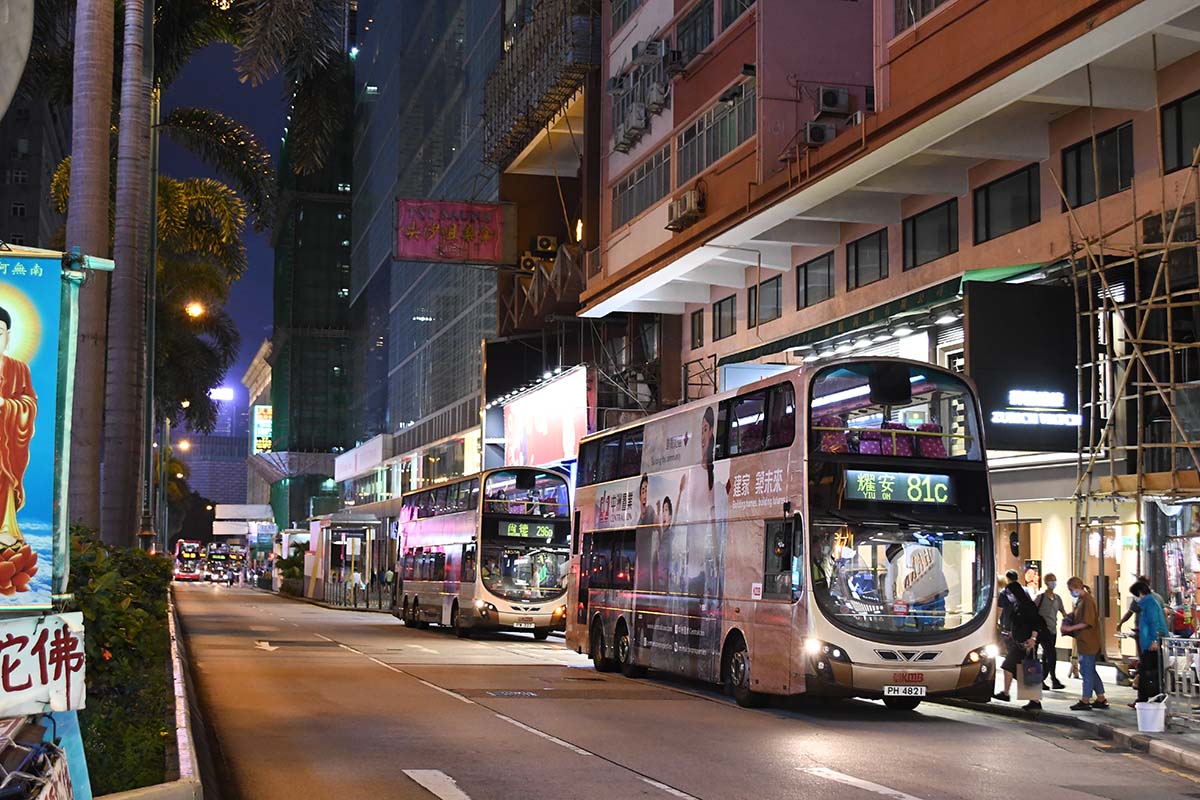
point(30, 298)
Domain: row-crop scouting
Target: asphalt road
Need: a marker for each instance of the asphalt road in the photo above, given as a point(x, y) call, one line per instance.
point(308, 703)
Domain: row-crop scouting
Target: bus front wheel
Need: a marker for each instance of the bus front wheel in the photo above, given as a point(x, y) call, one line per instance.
point(406, 616)
point(901, 703)
point(737, 676)
point(600, 659)
point(541, 633)
point(462, 631)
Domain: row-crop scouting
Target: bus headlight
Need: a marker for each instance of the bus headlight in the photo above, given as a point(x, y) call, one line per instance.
point(812, 646)
point(560, 611)
point(817, 648)
point(479, 604)
point(483, 607)
point(991, 651)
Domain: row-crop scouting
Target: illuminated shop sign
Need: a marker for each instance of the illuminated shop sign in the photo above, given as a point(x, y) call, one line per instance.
point(1032, 407)
point(899, 487)
point(260, 431)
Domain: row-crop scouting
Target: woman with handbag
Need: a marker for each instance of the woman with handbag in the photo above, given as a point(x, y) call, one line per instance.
point(1027, 626)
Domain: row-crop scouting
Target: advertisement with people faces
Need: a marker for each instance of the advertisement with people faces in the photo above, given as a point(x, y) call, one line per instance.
point(680, 506)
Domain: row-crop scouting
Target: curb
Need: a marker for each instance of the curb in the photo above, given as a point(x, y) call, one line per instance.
point(1184, 757)
point(321, 604)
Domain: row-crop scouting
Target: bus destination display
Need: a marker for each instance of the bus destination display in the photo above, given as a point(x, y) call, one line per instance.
point(527, 530)
point(899, 487)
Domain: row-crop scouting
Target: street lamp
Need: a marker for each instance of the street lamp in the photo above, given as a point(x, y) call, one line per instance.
point(186, 404)
point(179, 475)
point(184, 445)
point(208, 507)
point(194, 309)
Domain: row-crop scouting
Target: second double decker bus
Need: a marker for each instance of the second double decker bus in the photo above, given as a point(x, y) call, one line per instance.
point(488, 552)
point(827, 530)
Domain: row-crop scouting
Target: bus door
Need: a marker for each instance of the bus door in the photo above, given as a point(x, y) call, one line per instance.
point(776, 605)
point(467, 574)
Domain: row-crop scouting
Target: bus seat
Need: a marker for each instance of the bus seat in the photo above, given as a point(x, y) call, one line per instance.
point(931, 446)
point(868, 442)
point(833, 441)
point(903, 445)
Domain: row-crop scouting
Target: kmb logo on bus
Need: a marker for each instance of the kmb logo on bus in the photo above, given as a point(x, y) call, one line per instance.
point(908, 677)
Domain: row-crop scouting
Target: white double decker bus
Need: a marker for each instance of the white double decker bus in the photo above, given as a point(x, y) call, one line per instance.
point(487, 552)
point(828, 530)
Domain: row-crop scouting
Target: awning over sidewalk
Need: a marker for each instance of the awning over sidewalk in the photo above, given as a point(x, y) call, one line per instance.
point(998, 274)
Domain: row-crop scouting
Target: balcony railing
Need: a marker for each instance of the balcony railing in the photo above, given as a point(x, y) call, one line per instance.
point(542, 69)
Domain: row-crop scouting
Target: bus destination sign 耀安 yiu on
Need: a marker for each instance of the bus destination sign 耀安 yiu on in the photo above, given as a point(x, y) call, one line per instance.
point(921, 488)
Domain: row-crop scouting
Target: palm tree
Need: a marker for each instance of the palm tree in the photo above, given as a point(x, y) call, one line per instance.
point(125, 388)
point(87, 229)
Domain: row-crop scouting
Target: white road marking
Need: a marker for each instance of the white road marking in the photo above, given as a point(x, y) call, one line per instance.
point(424, 649)
point(545, 736)
point(858, 783)
point(351, 649)
point(320, 636)
point(261, 645)
point(437, 782)
point(455, 695)
point(671, 790)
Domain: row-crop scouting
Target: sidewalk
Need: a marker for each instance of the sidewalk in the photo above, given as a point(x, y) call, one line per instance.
point(321, 603)
point(1118, 723)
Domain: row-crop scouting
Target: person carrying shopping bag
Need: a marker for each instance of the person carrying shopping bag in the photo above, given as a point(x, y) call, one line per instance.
point(1027, 627)
point(1084, 625)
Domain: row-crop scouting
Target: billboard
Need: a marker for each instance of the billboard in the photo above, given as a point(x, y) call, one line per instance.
point(543, 427)
point(260, 429)
point(442, 230)
point(30, 300)
point(1020, 349)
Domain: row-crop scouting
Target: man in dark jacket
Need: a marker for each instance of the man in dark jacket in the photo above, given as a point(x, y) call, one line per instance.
point(1027, 627)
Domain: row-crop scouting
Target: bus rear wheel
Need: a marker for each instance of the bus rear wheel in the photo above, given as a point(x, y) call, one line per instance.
point(902, 703)
point(737, 676)
point(623, 651)
point(406, 615)
point(600, 660)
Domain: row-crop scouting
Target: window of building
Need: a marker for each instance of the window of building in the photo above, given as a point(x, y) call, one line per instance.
point(1115, 157)
point(1180, 132)
point(18, 210)
point(695, 32)
point(718, 131)
point(1007, 204)
point(643, 81)
point(725, 317)
point(622, 10)
point(642, 187)
point(752, 307)
point(16, 176)
point(732, 9)
point(766, 301)
point(909, 12)
point(931, 234)
point(814, 281)
point(867, 260)
point(697, 329)
point(16, 238)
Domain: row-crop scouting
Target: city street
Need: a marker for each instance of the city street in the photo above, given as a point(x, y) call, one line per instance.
point(312, 703)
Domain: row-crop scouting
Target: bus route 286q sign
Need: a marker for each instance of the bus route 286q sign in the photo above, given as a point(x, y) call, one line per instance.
point(41, 664)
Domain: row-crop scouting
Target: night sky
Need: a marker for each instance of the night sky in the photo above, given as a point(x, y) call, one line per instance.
point(210, 81)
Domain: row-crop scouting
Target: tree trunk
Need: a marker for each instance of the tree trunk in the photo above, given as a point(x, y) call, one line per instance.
point(87, 229)
point(125, 384)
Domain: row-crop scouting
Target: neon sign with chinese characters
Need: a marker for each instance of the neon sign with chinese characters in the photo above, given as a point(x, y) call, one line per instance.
point(899, 487)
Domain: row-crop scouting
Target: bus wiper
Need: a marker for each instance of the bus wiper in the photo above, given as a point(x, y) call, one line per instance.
point(906, 518)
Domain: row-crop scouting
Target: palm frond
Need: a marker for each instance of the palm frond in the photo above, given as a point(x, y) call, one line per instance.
point(60, 186)
point(192, 357)
point(297, 38)
point(48, 71)
point(323, 107)
point(232, 149)
point(181, 27)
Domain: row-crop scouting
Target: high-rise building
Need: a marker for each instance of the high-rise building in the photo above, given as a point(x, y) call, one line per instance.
point(35, 136)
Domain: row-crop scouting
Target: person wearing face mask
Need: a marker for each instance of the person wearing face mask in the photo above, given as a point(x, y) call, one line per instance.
point(1085, 627)
point(1050, 606)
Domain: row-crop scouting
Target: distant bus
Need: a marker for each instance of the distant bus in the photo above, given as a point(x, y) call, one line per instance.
point(826, 530)
point(217, 561)
point(488, 552)
point(188, 561)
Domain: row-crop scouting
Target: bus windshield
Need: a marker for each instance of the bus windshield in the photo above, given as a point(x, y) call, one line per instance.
point(902, 581)
point(886, 408)
point(530, 572)
point(526, 492)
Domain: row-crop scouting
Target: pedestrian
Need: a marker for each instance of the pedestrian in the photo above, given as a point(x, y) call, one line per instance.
point(1133, 609)
point(1085, 627)
point(1050, 606)
point(1152, 624)
point(1028, 627)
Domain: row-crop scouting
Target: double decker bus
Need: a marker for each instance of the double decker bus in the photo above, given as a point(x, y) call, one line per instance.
point(826, 530)
point(488, 552)
point(216, 561)
point(187, 560)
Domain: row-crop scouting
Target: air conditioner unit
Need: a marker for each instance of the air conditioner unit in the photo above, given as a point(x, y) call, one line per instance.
point(637, 120)
point(818, 133)
point(674, 63)
point(831, 100)
point(618, 86)
point(545, 245)
point(621, 141)
point(656, 97)
point(649, 53)
point(529, 262)
point(685, 211)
